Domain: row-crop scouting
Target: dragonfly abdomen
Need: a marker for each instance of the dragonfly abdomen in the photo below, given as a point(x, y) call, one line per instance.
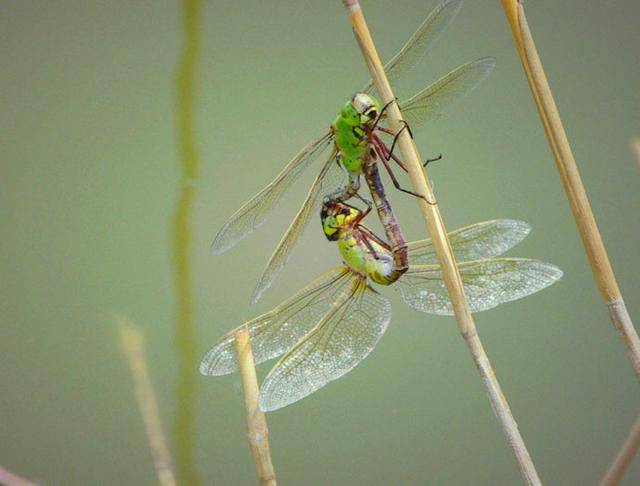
point(387, 218)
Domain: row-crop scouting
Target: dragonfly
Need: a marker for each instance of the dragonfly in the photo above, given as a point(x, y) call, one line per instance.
point(348, 140)
point(332, 324)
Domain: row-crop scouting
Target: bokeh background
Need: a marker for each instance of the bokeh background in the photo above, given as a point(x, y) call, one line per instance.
point(89, 187)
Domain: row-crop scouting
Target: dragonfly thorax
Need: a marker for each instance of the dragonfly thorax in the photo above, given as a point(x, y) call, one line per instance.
point(352, 127)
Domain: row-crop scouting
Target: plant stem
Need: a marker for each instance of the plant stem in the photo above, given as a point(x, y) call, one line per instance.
point(132, 344)
point(10, 479)
point(625, 456)
point(438, 234)
point(578, 200)
point(257, 430)
point(635, 149)
point(185, 329)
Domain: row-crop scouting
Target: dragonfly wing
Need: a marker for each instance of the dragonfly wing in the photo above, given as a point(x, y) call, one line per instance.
point(487, 283)
point(253, 213)
point(343, 338)
point(332, 175)
point(432, 101)
point(274, 332)
point(488, 239)
point(420, 42)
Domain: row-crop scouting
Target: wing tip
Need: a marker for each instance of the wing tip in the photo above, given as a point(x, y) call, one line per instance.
point(218, 245)
point(487, 62)
point(210, 364)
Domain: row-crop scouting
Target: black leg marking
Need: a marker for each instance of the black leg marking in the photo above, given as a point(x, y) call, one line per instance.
point(384, 108)
point(396, 184)
point(435, 159)
point(395, 139)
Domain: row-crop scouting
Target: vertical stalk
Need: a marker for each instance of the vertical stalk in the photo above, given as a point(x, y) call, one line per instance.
point(186, 342)
point(257, 430)
point(438, 234)
point(620, 464)
point(132, 344)
point(578, 200)
point(634, 144)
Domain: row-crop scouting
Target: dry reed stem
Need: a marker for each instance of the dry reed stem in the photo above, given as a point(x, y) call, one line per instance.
point(444, 253)
point(635, 149)
point(578, 200)
point(8, 478)
point(132, 345)
point(257, 430)
point(625, 456)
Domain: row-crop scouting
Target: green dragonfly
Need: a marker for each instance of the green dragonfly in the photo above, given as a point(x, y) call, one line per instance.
point(331, 325)
point(351, 138)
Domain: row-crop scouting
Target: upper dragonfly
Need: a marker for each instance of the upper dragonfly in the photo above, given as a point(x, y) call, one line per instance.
point(350, 139)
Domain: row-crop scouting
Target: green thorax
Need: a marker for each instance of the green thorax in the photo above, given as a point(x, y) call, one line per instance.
point(351, 128)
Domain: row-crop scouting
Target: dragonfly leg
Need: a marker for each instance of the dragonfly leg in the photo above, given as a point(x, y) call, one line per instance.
point(395, 138)
point(369, 205)
point(369, 246)
point(384, 108)
point(392, 156)
point(396, 184)
point(383, 149)
point(385, 130)
point(435, 159)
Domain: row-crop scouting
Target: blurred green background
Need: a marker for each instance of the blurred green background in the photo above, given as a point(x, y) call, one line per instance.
point(90, 183)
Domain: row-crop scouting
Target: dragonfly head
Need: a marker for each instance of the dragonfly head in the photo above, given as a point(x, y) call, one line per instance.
point(361, 109)
point(335, 217)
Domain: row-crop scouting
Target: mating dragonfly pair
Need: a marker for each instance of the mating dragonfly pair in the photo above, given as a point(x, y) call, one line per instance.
point(330, 326)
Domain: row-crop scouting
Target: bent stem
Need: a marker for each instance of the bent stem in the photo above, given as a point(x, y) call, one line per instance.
point(132, 345)
point(438, 234)
point(625, 456)
point(578, 200)
point(257, 430)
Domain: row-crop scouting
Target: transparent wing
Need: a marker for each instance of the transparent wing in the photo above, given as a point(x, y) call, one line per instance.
point(420, 42)
point(253, 213)
point(488, 239)
point(429, 103)
point(331, 177)
point(274, 332)
point(343, 338)
point(487, 283)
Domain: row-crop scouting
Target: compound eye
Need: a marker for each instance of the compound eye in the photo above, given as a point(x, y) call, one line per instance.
point(372, 114)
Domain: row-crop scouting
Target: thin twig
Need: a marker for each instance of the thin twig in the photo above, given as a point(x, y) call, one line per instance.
point(257, 430)
point(578, 200)
point(442, 246)
point(132, 344)
point(625, 456)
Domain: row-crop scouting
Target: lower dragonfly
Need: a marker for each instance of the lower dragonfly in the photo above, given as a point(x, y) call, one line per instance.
point(331, 325)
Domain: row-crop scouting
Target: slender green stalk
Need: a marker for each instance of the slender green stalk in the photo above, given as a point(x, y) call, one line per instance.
point(570, 175)
point(621, 463)
point(437, 231)
point(132, 344)
point(186, 342)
